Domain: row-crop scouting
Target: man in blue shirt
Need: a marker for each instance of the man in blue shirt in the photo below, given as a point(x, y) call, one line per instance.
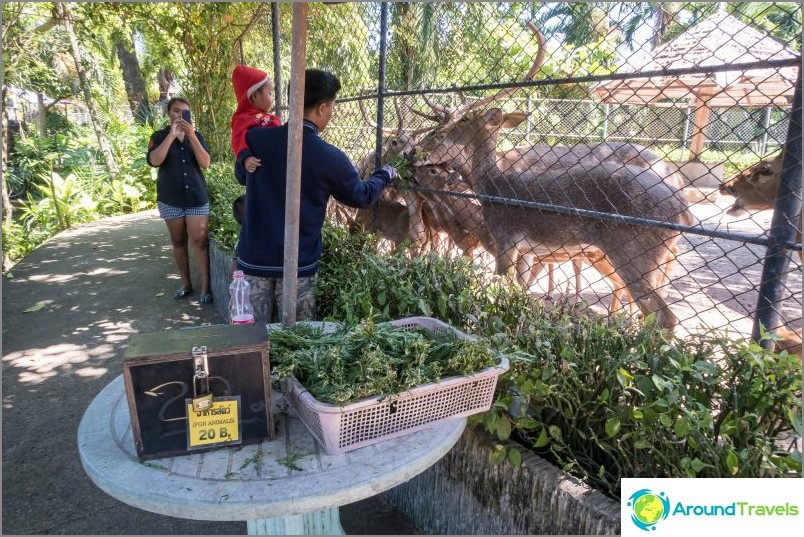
point(326, 171)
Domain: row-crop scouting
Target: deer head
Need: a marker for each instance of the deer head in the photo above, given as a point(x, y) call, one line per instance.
point(475, 135)
point(395, 141)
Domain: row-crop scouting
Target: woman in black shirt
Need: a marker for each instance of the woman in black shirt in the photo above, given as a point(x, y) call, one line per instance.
point(181, 152)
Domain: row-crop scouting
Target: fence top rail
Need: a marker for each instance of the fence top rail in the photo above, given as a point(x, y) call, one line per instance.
point(709, 69)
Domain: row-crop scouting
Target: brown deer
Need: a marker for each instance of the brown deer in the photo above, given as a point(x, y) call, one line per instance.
point(636, 253)
point(398, 216)
point(543, 157)
point(462, 220)
point(754, 189)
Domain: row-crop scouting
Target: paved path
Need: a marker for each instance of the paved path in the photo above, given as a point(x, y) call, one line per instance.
point(96, 285)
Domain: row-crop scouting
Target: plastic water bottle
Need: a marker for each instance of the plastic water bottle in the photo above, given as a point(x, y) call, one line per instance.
point(240, 310)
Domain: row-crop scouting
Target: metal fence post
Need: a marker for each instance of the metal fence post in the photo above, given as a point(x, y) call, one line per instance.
point(381, 82)
point(380, 100)
point(763, 147)
point(786, 218)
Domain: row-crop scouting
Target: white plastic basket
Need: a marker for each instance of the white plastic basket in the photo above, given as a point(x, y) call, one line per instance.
point(344, 428)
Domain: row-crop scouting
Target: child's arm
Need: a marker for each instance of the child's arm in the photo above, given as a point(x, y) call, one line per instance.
point(252, 163)
point(248, 160)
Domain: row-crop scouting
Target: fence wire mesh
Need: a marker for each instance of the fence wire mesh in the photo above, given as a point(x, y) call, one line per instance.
point(637, 170)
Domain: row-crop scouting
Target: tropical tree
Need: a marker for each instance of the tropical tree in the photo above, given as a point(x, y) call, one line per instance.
point(66, 18)
point(24, 26)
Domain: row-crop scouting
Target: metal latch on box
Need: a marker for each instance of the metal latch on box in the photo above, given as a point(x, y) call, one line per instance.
point(202, 397)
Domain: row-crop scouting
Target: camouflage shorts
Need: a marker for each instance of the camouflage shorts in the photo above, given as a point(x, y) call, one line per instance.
point(266, 298)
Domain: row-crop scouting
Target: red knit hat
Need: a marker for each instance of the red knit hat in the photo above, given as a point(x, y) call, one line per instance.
point(246, 80)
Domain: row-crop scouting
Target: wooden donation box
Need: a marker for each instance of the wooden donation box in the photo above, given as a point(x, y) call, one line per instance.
point(198, 389)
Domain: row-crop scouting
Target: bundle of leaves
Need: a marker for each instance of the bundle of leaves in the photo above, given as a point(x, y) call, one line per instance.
point(368, 359)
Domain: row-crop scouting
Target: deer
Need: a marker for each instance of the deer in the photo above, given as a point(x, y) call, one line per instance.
point(398, 216)
point(754, 189)
point(461, 217)
point(635, 253)
point(543, 157)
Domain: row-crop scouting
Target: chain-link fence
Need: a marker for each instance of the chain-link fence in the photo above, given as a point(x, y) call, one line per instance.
point(601, 178)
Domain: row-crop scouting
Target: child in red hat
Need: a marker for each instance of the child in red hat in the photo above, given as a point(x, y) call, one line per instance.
point(254, 91)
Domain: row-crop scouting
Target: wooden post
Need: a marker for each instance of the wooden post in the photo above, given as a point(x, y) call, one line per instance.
point(278, 98)
point(700, 122)
point(298, 59)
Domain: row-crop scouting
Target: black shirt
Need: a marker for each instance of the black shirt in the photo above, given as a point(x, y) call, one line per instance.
point(179, 182)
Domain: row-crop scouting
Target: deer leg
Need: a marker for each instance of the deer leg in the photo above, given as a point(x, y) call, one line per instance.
point(577, 266)
point(529, 267)
point(507, 263)
point(638, 274)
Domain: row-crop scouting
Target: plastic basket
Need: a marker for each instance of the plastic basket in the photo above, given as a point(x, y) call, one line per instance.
point(344, 428)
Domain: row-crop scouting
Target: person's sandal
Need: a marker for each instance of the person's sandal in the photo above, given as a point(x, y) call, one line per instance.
point(182, 293)
point(205, 298)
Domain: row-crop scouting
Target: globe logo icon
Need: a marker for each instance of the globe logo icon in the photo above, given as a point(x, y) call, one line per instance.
point(648, 508)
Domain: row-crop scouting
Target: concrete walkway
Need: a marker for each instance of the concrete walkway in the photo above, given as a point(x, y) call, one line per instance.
point(92, 288)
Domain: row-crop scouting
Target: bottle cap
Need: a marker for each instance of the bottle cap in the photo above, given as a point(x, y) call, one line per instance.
point(238, 274)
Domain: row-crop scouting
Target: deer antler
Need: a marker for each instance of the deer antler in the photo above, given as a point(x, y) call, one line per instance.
point(371, 122)
point(445, 117)
point(537, 65)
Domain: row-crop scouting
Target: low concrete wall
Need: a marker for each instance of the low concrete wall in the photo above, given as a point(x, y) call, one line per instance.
point(220, 275)
point(464, 494)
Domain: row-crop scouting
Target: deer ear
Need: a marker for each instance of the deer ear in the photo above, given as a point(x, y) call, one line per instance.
point(513, 119)
point(494, 117)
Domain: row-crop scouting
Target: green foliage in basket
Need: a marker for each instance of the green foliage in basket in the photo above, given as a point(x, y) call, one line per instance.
point(369, 359)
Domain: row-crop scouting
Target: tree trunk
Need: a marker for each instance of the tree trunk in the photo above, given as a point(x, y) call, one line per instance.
point(132, 76)
point(7, 207)
point(165, 79)
point(75, 48)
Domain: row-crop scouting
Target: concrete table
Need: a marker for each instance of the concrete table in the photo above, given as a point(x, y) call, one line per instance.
point(284, 486)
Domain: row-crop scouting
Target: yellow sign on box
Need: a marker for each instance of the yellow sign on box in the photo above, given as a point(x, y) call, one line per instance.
point(216, 426)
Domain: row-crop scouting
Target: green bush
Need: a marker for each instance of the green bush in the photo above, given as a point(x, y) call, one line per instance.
point(611, 400)
point(64, 181)
point(602, 398)
point(223, 190)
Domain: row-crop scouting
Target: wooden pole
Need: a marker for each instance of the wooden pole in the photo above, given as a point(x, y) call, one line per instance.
point(298, 59)
point(700, 122)
point(278, 98)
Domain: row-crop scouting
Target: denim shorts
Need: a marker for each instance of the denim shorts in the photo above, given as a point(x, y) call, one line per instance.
point(169, 212)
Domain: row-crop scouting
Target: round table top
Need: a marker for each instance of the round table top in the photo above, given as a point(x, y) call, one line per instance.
point(289, 475)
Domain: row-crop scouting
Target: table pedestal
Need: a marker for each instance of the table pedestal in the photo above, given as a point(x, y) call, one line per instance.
point(325, 522)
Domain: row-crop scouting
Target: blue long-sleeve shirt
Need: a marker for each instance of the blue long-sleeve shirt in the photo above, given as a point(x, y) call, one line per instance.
point(326, 171)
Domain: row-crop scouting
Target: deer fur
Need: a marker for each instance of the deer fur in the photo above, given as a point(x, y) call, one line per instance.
point(463, 221)
point(635, 253)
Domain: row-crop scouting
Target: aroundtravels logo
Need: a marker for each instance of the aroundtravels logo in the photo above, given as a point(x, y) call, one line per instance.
point(677, 506)
point(648, 508)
